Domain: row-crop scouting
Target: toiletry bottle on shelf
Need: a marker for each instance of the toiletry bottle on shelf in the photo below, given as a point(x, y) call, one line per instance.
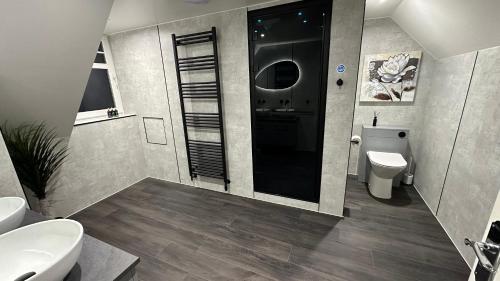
point(109, 113)
point(375, 114)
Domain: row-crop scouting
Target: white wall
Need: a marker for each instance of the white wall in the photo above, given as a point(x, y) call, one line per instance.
point(9, 183)
point(46, 52)
point(385, 36)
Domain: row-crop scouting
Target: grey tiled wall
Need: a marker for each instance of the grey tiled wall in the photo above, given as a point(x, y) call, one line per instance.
point(105, 157)
point(440, 121)
point(233, 58)
point(473, 179)
point(136, 55)
point(345, 44)
point(139, 70)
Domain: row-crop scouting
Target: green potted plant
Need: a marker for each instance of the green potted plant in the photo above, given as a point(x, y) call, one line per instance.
point(37, 153)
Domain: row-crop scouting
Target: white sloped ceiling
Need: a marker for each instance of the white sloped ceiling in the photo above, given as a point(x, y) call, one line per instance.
point(46, 53)
point(380, 8)
point(444, 27)
point(131, 14)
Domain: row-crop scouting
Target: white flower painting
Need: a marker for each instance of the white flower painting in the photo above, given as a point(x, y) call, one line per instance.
point(390, 77)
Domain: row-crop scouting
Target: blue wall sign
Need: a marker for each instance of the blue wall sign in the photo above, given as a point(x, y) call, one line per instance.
point(340, 68)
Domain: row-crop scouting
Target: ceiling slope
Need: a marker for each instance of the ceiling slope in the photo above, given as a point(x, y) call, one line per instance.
point(47, 48)
point(450, 27)
point(380, 8)
point(132, 14)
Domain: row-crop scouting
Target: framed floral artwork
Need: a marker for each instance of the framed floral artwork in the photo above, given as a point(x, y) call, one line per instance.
point(390, 77)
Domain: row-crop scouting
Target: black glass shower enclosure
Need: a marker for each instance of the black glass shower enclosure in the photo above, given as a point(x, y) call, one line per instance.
point(288, 47)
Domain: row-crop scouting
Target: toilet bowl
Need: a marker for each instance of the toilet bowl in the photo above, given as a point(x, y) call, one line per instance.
point(384, 167)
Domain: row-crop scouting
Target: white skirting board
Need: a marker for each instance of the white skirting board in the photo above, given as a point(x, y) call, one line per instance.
point(287, 201)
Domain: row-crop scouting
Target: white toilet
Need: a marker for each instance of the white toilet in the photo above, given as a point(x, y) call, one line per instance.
point(384, 167)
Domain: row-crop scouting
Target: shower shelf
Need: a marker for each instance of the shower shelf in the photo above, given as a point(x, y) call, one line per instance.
point(205, 158)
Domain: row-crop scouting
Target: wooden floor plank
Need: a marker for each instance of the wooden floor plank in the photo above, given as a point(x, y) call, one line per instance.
point(204, 266)
point(249, 240)
point(191, 234)
point(263, 264)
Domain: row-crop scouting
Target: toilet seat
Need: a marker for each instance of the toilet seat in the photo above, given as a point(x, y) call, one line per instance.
point(386, 159)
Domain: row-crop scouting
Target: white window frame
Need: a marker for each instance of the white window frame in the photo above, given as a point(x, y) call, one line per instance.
point(113, 82)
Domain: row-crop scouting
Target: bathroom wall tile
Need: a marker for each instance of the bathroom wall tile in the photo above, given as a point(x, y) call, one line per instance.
point(473, 179)
point(385, 36)
point(9, 183)
point(233, 58)
point(139, 69)
point(347, 21)
point(104, 158)
point(440, 121)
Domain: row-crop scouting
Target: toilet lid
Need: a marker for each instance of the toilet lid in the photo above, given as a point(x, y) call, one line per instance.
point(386, 159)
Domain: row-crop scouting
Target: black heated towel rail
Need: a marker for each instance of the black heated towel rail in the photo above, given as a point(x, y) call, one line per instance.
point(205, 158)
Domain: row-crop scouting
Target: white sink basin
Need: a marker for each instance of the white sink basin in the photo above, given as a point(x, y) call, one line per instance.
point(49, 249)
point(12, 211)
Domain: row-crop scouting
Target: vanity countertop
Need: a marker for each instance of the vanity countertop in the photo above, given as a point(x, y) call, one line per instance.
point(98, 261)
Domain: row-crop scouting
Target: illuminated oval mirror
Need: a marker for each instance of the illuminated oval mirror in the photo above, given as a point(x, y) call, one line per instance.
point(278, 76)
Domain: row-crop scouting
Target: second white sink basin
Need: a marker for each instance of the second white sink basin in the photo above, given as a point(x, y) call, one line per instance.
point(12, 211)
point(44, 251)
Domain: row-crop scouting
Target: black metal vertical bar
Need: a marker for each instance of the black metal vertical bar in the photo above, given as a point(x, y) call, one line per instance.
point(179, 85)
point(219, 105)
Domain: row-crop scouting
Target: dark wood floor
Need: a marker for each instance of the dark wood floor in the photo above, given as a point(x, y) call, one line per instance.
point(183, 233)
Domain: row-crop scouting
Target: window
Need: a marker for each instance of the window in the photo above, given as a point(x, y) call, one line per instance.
point(101, 91)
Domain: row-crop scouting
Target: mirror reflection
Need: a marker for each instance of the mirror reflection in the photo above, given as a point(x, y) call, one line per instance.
point(277, 76)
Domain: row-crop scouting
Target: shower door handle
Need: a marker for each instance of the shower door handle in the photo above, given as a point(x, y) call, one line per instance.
point(479, 249)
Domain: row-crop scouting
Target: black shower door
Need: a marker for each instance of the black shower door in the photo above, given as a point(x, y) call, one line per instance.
point(288, 47)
